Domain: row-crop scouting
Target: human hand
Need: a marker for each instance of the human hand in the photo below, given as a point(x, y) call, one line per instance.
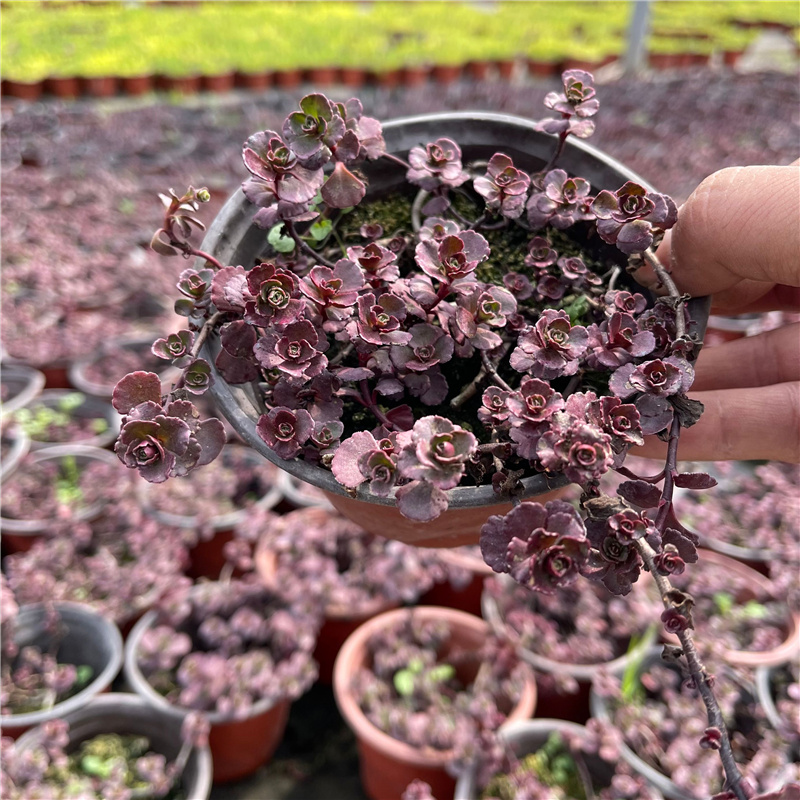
point(738, 239)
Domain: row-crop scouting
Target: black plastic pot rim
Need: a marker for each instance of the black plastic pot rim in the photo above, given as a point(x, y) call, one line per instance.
point(238, 211)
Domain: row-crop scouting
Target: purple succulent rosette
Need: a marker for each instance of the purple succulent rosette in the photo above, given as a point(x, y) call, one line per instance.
point(435, 165)
point(628, 217)
point(504, 187)
point(560, 201)
point(575, 104)
point(540, 546)
point(550, 348)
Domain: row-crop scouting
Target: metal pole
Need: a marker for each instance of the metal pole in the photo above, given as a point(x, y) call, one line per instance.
point(638, 34)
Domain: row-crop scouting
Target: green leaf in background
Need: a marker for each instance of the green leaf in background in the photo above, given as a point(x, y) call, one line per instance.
point(404, 682)
point(279, 242)
point(320, 229)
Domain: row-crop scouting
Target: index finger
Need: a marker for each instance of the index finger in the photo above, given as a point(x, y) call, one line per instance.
point(739, 228)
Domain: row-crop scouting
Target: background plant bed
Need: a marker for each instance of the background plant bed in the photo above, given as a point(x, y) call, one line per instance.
point(388, 765)
point(128, 714)
point(54, 486)
point(233, 239)
point(88, 639)
point(63, 417)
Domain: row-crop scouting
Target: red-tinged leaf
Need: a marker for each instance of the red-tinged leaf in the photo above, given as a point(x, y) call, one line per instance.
point(402, 417)
point(421, 501)
point(210, 435)
point(160, 246)
point(694, 480)
point(640, 493)
point(343, 189)
point(136, 388)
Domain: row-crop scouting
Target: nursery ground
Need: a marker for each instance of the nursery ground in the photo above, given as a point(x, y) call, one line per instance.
point(88, 172)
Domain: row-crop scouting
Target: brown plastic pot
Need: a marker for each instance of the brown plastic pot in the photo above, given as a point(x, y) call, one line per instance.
point(388, 765)
point(386, 79)
point(253, 81)
point(541, 69)
point(239, 747)
point(217, 83)
point(758, 586)
point(102, 86)
point(320, 76)
point(414, 75)
point(506, 69)
point(478, 70)
point(353, 77)
point(136, 85)
point(288, 78)
point(67, 87)
point(665, 60)
point(234, 239)
point(183, 84)
point(23, 90)
point(446, 73)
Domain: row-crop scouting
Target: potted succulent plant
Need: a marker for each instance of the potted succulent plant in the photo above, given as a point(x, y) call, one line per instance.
point(424, 688)
point(19, 385)
point(234, 650)
point(455, 337)
point(115, 746)
point(651, 705)
point(120, 564)
point(353, 574)
point(778, 690)
point(553, 760)
point(60, 417)
point(56, 658)
point(55, 487)
point(569, 635)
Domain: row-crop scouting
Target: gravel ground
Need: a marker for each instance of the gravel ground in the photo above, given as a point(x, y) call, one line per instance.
point(79, 185)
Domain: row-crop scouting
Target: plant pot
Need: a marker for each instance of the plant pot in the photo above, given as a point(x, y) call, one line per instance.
point(320, 76)
point(464, 595)
point(541, 69)
point(129, 714)
point(20, 384)
point(730, 58)
point(386, 79)
point(352, 77)
point(15, 448)
point(413, 76)
point(478, 70)
point(104, 86)
point(238, 746)
point(752, 585)
point(552, 702)
point(217, 83)
point(788, 724)
point(446, 73)
point(89, 639)
point(64, 88)
point(207, 555)
point(665, 60)
point(524, 737)
point(182, 84)
point(388, 765)
point(136, 85)
point(288, 78)
point(506, 69)
point(235, 240)
point(300, 494)
point(23, 90)
point(91, 408)
point(19, 534)
point(253, 81)
point(98, 373)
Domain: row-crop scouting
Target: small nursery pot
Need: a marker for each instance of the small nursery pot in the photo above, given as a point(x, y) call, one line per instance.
point(233, 239)
point(757, 585)
point(238, 746)
point(527, 736)
point(388, 765)
point(20, 534)
point(466, 596)
point(16, 446)
point(90, 408)
point(89, 639)
point(22, 384)
point(128, 714)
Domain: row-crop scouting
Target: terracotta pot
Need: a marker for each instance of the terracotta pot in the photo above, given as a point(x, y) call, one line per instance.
point(23, 90)
point(207, 556)
point(551, 702)
point(288, 78)
point(19, 535)
point(66, 87)
point(89, 638)
point(525, 737)
point(235, 240)
point(414, 75)
point(542, 69)
point(105, 86)
point(757, 586)
point(217, 83)
point(388, 765)
point(90, 408)
point(129, 714)
point(183, 84)
point(320, 76)
point(446, 73)
point(254, 81)
point(464, 596)
point(136, 85)
point(352, 77)
point(506, 69)
point(238, 746)
point(665, 60)
point(56, 375)
point(478, 70)
point(387, 79)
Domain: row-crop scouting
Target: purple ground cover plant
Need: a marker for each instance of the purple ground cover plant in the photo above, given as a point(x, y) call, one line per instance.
point(412, 363)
